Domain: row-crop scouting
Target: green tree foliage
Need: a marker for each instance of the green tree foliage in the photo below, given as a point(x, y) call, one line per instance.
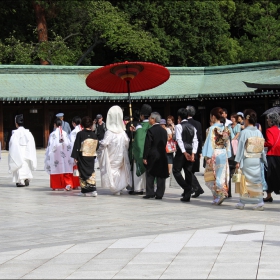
point(193, 32)
point(261, 42)
point(173, 33)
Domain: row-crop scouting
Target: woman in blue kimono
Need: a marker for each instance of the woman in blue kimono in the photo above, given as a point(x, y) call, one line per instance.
point(216, 151)
point(250, 158)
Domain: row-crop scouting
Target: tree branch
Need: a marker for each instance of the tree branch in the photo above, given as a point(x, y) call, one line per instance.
point(49, 61)
point(89, 50)
point(72, 34)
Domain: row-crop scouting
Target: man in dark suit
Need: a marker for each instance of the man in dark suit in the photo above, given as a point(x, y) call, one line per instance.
point(187, 144)
point(154, 158)
point(196, 165)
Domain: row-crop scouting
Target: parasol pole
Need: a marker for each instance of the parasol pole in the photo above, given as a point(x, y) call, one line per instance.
point(131, 124)
point(129, 100)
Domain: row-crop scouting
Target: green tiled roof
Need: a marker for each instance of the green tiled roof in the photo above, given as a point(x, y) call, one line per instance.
point(24, 83)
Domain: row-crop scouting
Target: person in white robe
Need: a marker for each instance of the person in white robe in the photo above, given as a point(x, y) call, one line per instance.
point(22, 154)
point(76, 123)
point(113, 153)
point(58, 161)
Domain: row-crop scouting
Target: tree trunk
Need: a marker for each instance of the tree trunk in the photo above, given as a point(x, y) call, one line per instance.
point(41, 26)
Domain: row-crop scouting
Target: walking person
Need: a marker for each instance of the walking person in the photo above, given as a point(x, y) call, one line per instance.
point(58, 161)
point(240, 120)
point(113, 153)
point(65, 125)
point(155, 159)
point(187, 145)
point(196, 165)
point(99, 127)
point(217, 150)
point(76, 123)
point(139, 170)
point(84, 154)
point(171, 125)
point(225, 114)
point(170, 146)
point(22, 158)
point(249, 158)
point(273, 155)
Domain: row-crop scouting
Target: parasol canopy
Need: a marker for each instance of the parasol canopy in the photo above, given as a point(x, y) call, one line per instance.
point(272, 110)
point(138, 76)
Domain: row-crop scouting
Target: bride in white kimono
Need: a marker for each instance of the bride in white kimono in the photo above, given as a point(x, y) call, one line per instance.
point(22, 154)
point(113, 153)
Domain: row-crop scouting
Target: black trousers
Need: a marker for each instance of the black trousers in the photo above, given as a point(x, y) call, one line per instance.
point(150, 179)
point(196, 187)
point(180, 162)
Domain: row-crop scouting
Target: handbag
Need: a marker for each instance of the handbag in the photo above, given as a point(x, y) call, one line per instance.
point(209, 175)
point(171, 146)
point(241, 187)
point(236, 178)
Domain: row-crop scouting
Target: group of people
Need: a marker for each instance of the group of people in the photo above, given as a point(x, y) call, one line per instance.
point(255, 159)
point(139, 155)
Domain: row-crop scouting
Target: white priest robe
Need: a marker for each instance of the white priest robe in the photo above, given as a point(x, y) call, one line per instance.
point(58, 155)
point(73, 135)
point(58, 160)
point(22, 155)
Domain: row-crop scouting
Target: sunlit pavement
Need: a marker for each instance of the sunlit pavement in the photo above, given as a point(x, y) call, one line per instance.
point(47, 234)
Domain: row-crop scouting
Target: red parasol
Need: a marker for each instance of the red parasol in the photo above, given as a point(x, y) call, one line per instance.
point(127, 77)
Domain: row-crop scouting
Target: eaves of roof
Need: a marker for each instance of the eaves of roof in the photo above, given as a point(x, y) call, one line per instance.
point(38, 83)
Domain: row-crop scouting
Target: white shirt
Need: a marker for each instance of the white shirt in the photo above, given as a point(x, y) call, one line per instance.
point(168, 131)
point(74, 133)
point(228, 122)
point(139, 125)
point(178, 132)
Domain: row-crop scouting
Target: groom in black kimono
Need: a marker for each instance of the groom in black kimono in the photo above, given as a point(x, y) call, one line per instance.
point(154, 158)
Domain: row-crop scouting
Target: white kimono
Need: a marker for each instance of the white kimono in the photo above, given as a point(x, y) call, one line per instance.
point(113, 153)
point(58, 155)
point(114, 161)
point(73, 134)
point(22, 155)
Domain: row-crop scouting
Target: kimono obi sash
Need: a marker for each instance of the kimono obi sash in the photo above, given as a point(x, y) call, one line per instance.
point(221, 137)
point(220, 147)
point(88, 148)
point(254, 147)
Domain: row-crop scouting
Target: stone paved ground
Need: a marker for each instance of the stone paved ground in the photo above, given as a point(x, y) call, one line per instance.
point(46, 234)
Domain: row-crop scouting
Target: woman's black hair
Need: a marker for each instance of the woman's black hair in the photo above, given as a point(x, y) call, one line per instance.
point(251, 116)
point(76, 120)
point(87, 122)
point(218, 113)
point(58, 122)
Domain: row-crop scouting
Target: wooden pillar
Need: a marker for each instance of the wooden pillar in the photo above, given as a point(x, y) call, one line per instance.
point(89, 109)
point(1, 126)
point(204, 121)
point(266, 105)
point(46, 125)
point(167, 109)
point(232, 107)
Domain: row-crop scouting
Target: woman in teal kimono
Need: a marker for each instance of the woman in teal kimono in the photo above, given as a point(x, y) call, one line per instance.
point(250, 158)
point(216, 151)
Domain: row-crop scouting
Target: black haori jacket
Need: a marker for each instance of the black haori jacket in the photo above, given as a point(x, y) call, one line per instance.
point(155, 151)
